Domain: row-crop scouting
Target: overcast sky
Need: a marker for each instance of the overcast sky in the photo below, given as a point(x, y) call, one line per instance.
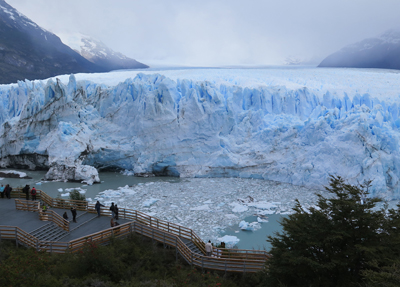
point(215, 33)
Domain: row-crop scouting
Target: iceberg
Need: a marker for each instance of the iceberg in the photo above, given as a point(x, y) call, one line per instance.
point(296, 126)
point(229, 240)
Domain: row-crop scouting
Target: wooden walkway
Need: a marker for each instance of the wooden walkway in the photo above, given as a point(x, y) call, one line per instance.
point(24, 222)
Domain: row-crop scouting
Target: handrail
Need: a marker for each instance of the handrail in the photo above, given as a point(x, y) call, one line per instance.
point(50, 215)
point(27, 205)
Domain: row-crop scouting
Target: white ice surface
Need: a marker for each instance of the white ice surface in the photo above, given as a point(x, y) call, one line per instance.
point(20, 173)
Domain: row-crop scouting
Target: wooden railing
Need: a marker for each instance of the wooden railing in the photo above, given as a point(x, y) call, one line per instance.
point(235, 260)
point(23, 238)
point(27, 205)
point(50, 215)
point(249, 264)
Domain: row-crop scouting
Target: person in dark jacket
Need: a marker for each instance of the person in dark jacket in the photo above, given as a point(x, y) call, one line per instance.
point(26, 191)
point(116, 212)
point(73, 211)
point(33, 193)
point(7, 191)
point(112, 208)
point(98, 207)
point(65, 215)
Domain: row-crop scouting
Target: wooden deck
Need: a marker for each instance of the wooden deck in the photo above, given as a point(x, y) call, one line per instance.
point(24, 222)
point(29, 220)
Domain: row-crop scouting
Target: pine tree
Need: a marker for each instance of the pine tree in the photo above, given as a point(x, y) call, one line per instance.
point(333, 243)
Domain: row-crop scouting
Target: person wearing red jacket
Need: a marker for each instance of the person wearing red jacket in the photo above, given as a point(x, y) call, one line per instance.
point(33, 193)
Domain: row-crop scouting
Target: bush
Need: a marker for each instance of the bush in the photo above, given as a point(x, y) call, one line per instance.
point(76, 195)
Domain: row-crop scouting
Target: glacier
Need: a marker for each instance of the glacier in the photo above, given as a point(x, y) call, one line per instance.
point(294, 125)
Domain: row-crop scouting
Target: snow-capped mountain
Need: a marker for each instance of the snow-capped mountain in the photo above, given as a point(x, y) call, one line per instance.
point(98, 53)
point(289, 125)
point(379, 52)
point(28, 51)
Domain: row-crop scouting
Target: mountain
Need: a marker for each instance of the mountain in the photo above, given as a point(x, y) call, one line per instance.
point(295, 125)
point(380, 52)
point(98, 53)
point(28, 51)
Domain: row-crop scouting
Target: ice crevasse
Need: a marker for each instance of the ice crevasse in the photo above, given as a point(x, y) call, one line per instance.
point(182, 127)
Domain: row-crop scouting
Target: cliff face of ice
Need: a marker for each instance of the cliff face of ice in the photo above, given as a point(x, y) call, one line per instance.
point(189, 128)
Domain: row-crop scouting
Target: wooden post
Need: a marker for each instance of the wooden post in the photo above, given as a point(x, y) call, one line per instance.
point(176, 248)
point(16, 237)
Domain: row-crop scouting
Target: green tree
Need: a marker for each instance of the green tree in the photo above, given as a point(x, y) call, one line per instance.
point(76, 195)
point(333, 243)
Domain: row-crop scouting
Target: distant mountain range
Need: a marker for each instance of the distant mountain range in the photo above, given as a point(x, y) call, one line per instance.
point(379, 52)
point(28, 51)
point(98, 53)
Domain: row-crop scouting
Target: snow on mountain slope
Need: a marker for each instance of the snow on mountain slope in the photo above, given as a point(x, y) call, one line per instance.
point(289, 125)
point(98, 53)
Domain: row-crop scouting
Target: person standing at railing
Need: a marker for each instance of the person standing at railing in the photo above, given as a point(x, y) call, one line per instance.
point(73, 211)
point(209, 248)
point(7, 191)
point(116, 212)
point(98, 207)
point(65, 216)
point(26, 191)
point(33, 193)
point(112, 208)
point(2, 191)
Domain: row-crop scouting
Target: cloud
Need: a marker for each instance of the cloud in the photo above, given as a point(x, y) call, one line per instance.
point(210, 32)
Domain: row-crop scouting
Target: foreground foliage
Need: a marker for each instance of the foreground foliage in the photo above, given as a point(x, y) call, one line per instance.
point(343, 241)
point(134, 261)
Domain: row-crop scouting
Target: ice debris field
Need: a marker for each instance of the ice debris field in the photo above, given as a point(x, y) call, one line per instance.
point(210, 205)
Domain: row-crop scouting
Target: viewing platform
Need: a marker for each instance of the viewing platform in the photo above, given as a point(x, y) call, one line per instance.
point(25, 222)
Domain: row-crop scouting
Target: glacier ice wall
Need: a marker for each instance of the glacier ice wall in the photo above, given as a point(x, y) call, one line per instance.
point(189, 128)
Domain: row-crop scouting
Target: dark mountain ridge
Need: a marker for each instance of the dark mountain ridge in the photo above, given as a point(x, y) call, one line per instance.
point(381, 52)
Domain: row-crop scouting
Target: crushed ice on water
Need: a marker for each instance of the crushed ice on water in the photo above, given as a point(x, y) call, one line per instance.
point(208, 206)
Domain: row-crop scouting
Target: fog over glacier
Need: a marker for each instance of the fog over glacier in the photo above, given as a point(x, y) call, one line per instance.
point(292, 125)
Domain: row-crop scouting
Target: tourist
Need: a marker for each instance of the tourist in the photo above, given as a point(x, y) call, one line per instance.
point(116, 212)
point(73, 211)
point(65, 215)
point(112, 222)
point(112, 208)
point(7, 191)
point(209, 248)
point(2, 191)
point(97, 207)
point(44, 208)
point(33, 193)
point(26, 191)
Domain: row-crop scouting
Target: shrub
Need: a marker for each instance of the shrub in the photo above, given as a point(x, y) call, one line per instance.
point(76, 195)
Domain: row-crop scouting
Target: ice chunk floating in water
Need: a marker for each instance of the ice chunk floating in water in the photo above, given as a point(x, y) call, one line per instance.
point(288, 125)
